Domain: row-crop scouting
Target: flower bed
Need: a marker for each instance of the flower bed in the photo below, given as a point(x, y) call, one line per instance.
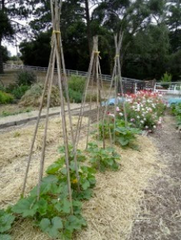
point(144, 110)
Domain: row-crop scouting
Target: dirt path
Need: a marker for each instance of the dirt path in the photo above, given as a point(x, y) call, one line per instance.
point(160, 217)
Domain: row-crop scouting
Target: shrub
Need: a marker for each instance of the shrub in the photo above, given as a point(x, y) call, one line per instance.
point(76, 87)
point(176, 110)
point(2, 88)
point(19, 91)
point(25, 77)
point(76, 83)
point(74, 96)
point(166, 78)
point(5, 97)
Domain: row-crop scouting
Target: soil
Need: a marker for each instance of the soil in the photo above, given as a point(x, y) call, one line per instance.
point(160, 216)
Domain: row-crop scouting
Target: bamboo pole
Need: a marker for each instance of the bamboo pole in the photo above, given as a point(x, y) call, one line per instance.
point(118, 43)
point(116, 79)
point(69, 109)
point(46, 127)
point(38, 120)
point(93, 71)
point(79, 123)
point(56, 37)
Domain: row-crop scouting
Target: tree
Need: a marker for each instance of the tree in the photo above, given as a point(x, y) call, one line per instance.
point(148, 55)
point(6, 30)
point(36, 52)
point(10, 12)
point(73, 28)
point(174, 65)
point(149, 27)
point(174, 23)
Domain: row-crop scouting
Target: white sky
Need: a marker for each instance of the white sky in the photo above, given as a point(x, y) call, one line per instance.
point(11, 46)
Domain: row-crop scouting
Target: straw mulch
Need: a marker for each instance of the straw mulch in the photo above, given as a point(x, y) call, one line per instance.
point(111, 212)
point(33, 96)
point(14, 150)
point(16, 144)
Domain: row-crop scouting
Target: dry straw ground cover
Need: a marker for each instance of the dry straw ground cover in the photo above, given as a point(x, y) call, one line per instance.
point(17, 143)
point(14, 150)
point(110, 213)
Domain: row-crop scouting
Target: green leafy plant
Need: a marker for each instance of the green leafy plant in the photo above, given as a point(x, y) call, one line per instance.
point(6, 221)
point(6, 113)
point(19, 91)
point(51, 226)
point(121, 133)
point(76, 83)
point(74, 96)
point(86, 174)
point(25, 77)
point(166, 78)
point(176, 110)
point(5, 98)
point(103, 159)
point(2, 87)
point(53, 211)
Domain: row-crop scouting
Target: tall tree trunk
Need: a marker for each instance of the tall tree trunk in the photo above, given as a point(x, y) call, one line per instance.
point(2, 7)
point(88, 25)
point(1, 58)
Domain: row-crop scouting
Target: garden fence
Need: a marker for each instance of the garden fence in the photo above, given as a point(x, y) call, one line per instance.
point(130, 85)
point(69, 72)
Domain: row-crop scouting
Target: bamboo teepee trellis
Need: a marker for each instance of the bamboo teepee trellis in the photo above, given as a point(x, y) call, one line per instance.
point(117, 82)
point(56, 57)
point(94, 75)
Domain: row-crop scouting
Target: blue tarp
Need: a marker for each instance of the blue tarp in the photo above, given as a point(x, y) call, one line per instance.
point(173, 101)
point(112, 101)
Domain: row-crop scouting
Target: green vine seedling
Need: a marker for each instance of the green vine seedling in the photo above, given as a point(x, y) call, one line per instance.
point(103, 159)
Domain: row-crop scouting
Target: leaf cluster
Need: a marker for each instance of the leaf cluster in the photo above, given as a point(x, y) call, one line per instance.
point(176, 110)
point(6, 221)
point(103, 159)
point(123, 134)
point(52, 212)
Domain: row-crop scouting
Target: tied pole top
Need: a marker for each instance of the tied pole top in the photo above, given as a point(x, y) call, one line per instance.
point(118, 42)
point(95, 46)
point(55, 13)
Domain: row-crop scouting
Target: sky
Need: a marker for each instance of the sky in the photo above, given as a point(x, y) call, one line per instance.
point(13, 47)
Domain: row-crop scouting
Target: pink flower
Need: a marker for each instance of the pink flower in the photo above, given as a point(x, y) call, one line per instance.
point(117, 109)
point(132, 119)
point(111, 115)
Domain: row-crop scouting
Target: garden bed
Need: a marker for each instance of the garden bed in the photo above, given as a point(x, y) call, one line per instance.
point(110, 213)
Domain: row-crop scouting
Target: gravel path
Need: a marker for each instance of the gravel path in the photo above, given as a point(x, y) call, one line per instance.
point(160, 217)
